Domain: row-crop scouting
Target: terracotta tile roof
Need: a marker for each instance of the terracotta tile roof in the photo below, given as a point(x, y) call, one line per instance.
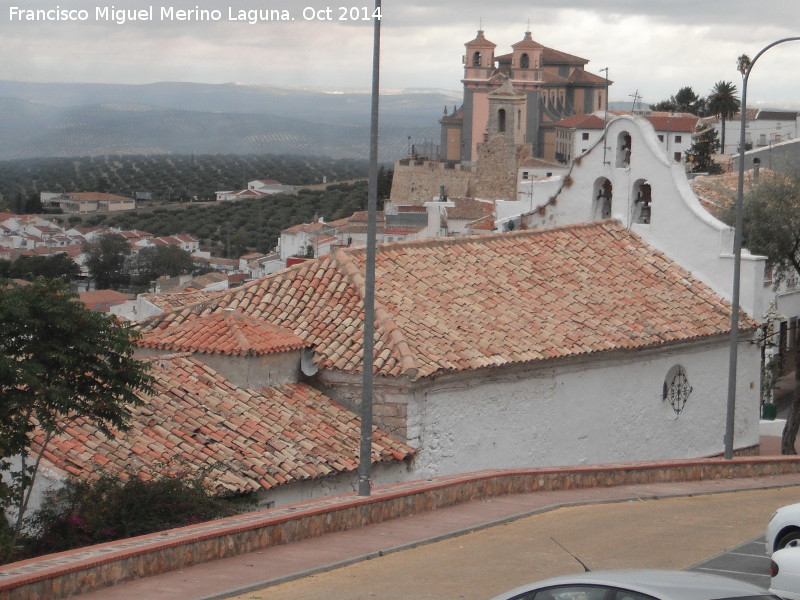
point(581, 122)
point(717, 192)
point(527, 43)
point(229, 332)
point(484, 224)
point(304, 228)
point(103, 299)
point(532, 161)
point(466, 303)
point(173, 300)
point(668, 123)
point(96, 196)
point(551, 56)
point(469, 209)
point(581, 76)
point(245, 439)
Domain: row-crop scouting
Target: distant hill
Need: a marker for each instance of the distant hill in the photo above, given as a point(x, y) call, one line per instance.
point(63, 119)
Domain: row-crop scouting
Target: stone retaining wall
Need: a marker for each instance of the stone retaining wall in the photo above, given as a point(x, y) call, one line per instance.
point(87, 569)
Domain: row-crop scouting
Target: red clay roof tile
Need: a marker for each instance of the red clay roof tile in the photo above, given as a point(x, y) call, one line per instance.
point(230, 432)
point(473, 302)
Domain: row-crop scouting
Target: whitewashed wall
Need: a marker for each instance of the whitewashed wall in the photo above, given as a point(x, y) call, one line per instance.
point(598, 411)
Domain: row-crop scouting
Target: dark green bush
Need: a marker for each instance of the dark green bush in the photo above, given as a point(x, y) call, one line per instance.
point(80, 514)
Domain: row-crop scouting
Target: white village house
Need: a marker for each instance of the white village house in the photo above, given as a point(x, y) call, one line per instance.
point(255, 189)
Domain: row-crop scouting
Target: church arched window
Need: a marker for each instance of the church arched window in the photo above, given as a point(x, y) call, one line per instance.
point(476, 59)
point(524, 61)
point(501, 120)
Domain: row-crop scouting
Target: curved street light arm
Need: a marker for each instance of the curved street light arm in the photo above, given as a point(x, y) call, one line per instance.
point(746, 68)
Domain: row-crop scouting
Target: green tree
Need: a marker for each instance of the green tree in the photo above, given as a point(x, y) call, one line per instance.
point(49, 267)
point(151, 263)
point(106, 259)
point(700, 156)
point(113, 508)
point(686, 100)
point(724, 103)
point(59, 362)
point(385, 177)
point(771, 227)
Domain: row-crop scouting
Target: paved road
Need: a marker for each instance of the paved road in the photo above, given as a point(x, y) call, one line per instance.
point(747, 562)
point(708, 532)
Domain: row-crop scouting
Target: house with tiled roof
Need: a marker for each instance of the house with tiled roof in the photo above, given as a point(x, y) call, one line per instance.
point(233, 195)
point(284, 443)
point(269, 186)
point(319, 238)
point(763, 127)
point(577, 133)
point(103, 300)
point(255, 189)
point(541, 347)
point(185, 242)
point(151, 304)
point(87, 202)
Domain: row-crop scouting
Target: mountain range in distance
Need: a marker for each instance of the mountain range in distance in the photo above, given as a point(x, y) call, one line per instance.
point(91, 119)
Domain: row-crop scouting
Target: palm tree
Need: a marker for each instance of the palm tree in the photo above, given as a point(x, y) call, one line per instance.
point(723, 102)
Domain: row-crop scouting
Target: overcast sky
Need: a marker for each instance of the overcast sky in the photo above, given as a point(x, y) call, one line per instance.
point(651, 46)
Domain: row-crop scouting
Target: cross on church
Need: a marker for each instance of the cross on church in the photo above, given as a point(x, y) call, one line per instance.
point(636, 98)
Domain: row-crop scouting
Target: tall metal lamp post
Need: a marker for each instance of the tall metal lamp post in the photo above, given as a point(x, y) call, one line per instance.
point(365, 452)
point(745, 67)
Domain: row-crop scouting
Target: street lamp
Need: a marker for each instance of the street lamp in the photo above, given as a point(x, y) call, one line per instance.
point(745, 68)
point(365, 446)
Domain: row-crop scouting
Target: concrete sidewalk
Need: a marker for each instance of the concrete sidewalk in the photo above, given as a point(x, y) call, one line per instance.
point(237, 575)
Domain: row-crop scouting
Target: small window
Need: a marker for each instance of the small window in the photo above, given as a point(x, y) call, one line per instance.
point(678, 139)
point(660, 137)
point(768, 271)
point(585, 135)
point(677, 156)
point(524, 175)
point(677, 389)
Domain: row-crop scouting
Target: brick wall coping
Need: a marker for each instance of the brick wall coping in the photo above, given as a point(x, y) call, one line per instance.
point(86, 569)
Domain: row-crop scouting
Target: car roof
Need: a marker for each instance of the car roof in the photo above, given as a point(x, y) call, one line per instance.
point(663, 584)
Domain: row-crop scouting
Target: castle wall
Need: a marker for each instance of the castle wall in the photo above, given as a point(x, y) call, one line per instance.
point(498, 163)
point(416, 182)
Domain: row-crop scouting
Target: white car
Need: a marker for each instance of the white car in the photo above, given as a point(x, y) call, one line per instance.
point(784, 573)
point(638, 584)
point(784, 528)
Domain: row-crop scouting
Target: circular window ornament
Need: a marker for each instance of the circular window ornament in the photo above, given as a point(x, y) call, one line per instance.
point(677, 389)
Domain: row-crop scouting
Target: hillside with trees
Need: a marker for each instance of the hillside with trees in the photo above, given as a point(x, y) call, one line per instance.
point(166, 178)
point(230, 229)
